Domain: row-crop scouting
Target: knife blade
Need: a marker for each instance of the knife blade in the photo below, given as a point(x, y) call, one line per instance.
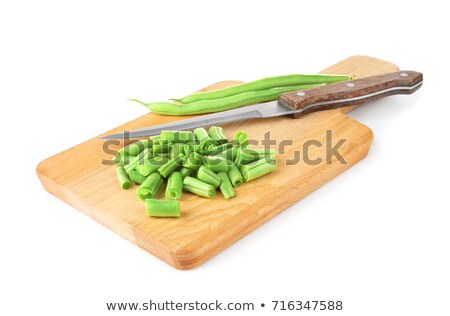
point(298, 103)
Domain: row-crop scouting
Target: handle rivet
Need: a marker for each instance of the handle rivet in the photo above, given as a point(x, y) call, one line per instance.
point(301, 93)
point(404, 75)
point(350, 84)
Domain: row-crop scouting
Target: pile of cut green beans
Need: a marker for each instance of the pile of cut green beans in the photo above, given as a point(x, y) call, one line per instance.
point(200, 162)
point(262, 90)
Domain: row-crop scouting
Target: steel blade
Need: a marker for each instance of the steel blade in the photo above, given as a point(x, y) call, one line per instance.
point(268, 109)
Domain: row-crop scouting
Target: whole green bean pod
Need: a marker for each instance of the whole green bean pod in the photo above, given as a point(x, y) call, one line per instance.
point(149, 188)
point(257, 169)
point(174, 186)
point(263, 84)
point(215, 163)
point(225, 186)
point(198, 187)
point(216, 133)
point(151, 165)
point(234, 174)
point(122, 177)
point(177, 136)
point(208, 176)
point(223, 104)
point(136, 177)
point(162, 208)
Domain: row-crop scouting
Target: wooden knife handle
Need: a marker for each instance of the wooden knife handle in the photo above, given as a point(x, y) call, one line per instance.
point(353, 92)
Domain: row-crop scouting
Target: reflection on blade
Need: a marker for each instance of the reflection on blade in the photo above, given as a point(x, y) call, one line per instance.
point(268, 109)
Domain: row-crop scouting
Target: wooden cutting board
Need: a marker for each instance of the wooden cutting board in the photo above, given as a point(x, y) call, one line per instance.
point(78, 177)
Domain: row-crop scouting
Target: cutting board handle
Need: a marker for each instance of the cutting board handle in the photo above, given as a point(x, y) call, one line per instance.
point(353, 92)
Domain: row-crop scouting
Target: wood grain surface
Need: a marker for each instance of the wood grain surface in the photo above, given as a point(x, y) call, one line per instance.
point(78, 176)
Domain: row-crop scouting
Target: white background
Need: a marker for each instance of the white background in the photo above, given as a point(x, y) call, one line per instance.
point(377, 237)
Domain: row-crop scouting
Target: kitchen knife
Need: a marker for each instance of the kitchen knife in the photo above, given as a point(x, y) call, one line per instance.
point(299, 103)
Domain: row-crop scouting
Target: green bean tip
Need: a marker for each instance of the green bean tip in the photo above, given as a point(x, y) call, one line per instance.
point(138, 101)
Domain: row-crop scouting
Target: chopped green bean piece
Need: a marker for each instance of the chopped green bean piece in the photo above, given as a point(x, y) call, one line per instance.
point(121, 159)
point(162, 208)
point(191, 148)
point(243, 157)
point(225, 186)
point(161, 148)
point(135, 148)
point(208, 176)
point(185, 172)
point(216, 133)
point(117, 159)
point(201, 134)
point(241, 139)
point(257, 169)
point(215, 150)
point(140, 159)
point(170, 166)
point(215, 163)
point(132, 161)
point(122, 176)
point(199, 162)
point(198, 187)
point(177, 136)
point(176, 149)
point(156, 139)
point(206, 146)
point(136, 177)
point(151, 165)
point(188, 148)
point(234, 174)
point(259, 153)
point(124, 150)
point(174, 186)
point(229, 154)
point(193, 161)
point(149, 188)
